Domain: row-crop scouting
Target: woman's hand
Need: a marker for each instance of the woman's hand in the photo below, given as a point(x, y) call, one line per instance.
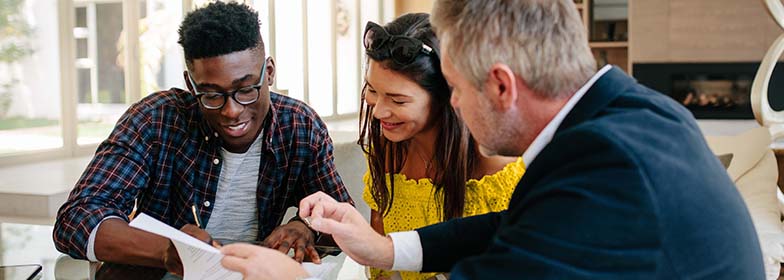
point(349, 230)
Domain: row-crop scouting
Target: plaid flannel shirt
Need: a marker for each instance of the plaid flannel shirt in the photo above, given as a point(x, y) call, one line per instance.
point(163, 156)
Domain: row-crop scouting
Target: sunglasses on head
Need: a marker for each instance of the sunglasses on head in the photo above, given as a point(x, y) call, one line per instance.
point(401, 49)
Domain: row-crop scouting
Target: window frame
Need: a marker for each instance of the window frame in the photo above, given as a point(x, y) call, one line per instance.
point(131, 15)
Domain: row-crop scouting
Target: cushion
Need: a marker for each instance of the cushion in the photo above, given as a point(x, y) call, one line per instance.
point(351, 164)
point(755, 173)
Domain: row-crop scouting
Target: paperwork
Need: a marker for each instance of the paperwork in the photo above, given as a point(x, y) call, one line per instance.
point(199, 260)
point(202, 261)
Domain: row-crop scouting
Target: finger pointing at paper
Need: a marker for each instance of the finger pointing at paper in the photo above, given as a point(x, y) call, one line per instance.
point(348, 228)
point(255, 262)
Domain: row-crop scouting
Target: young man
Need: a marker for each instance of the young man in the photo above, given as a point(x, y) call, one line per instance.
point(619, 182)
point(228, 155)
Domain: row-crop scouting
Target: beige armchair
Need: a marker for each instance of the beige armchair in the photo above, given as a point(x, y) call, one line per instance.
point(754, 170)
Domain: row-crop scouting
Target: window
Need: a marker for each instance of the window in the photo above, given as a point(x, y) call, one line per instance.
point(100, 71)
point(321, 56)
point(30, 111)
point(102, 93)
point(70, 68)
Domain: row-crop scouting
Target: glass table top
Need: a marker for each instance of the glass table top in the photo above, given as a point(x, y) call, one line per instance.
point(28, 244)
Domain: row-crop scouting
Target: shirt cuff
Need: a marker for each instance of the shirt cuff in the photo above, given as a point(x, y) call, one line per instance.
point(408, 251)
point(91, 241)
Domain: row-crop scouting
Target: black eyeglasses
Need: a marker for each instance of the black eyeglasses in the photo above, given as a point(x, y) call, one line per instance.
point(402, 49)
point(216, 100)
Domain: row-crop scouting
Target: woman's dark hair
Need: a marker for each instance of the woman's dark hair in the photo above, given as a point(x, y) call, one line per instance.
point(455, 150)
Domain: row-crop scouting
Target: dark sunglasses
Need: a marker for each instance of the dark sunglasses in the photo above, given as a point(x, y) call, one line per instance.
point(402, 49)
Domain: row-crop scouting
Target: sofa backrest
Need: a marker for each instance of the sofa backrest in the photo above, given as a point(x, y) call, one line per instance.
point(351, 165)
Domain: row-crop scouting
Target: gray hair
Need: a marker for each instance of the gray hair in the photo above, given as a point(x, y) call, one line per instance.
point(542, 41)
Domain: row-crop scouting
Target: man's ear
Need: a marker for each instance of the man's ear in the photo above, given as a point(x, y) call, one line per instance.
point(501, 86)
point(187, 81)
point(270, 71)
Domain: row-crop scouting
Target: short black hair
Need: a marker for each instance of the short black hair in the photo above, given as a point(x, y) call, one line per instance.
point(219, 28)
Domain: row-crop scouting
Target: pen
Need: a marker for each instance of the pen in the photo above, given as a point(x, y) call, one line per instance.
point(195, 216)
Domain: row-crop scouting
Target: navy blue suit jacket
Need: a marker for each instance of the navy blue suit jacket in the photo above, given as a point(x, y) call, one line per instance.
point(627, 189)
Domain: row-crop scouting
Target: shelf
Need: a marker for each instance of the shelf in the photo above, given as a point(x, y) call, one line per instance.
point(606, 52)
point(608, 44)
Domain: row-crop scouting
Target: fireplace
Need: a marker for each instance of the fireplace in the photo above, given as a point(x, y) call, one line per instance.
point(710, 90)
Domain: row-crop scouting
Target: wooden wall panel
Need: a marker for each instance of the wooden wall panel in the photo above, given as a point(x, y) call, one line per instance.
point(772, 31)
point(649, 31)
point(413, 6)
point(717, 30)
point(700, 31)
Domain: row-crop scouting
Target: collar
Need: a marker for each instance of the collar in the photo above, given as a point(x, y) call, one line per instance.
point(271, 125)
point(546, 135)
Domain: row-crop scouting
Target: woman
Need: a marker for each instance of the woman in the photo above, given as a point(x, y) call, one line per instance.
point(424, 167)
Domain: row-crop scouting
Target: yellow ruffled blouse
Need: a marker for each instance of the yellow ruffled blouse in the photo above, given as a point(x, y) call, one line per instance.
point(414, 207)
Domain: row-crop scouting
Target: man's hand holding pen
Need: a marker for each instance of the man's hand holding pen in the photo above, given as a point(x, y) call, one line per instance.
point(171, 259)
point(293, 235)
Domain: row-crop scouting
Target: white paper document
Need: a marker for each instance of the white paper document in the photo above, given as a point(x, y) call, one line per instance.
point(319, 271)
point(201, 261)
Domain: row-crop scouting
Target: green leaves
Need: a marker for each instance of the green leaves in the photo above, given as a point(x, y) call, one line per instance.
point(12, 52)
point(14, 32)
